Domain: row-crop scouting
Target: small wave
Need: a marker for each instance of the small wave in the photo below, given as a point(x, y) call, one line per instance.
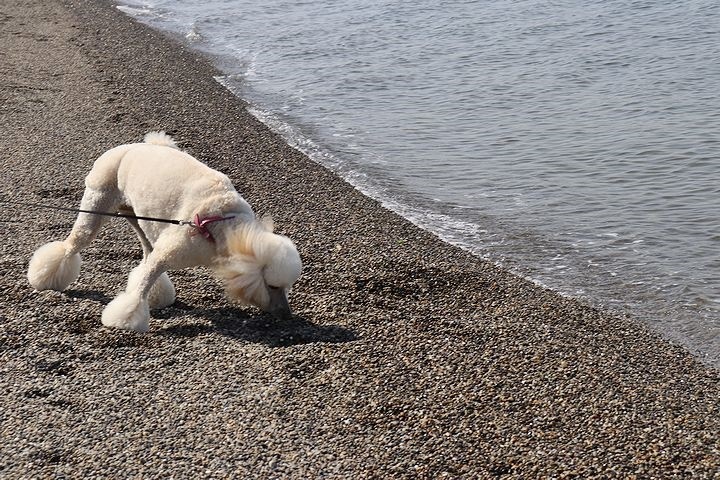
point(145, 11)
point(193, 35)
point(466, 235)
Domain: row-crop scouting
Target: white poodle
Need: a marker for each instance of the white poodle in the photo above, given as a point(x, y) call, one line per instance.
point(156, 179)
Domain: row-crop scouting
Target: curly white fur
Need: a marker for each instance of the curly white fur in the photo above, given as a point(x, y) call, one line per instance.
point(159, 138)
point(259, 258)
point(127, 311)
point(156, 179)
point(53, 268)
point(162, 293)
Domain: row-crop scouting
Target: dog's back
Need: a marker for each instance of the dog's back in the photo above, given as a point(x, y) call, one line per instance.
point(156, 178)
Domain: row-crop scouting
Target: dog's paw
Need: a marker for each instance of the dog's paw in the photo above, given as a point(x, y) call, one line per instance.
point(127, 312)
point(51, 268)
point(162, 293)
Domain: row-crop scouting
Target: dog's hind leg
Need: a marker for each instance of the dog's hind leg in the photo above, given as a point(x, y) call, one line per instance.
point(162, 292)
point(56, 265)
point(87, 225)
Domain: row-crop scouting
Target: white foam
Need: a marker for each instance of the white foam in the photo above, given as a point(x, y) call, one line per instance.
point(466, 235)
point(138, 10)
point(193, 34)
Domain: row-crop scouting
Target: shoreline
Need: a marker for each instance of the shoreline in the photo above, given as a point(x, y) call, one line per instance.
point(674, 317)
point(410, 358)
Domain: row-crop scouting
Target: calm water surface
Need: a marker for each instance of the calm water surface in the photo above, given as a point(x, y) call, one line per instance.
point(575, 143)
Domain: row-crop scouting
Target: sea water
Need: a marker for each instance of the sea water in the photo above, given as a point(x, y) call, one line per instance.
point(576, 143)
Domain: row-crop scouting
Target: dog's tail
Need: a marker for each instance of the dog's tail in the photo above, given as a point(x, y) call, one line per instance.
point(160, 138)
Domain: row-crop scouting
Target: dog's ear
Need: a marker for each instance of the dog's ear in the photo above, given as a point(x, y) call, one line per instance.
point(268, 222)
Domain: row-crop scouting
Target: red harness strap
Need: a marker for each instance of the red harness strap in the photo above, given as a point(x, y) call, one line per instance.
point(200, 225)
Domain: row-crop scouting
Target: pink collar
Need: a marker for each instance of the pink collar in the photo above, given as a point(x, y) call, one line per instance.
point(200, 225)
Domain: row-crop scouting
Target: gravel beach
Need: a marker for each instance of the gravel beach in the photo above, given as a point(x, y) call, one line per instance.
point(408, 358)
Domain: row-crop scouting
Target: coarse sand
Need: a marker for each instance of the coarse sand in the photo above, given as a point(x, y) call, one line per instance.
point(408, 357)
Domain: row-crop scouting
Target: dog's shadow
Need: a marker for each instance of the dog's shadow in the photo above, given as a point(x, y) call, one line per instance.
point(95, 295)
point(261, 328)
point(239, 324)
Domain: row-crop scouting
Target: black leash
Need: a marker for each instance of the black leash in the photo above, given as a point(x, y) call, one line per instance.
point(106, 214)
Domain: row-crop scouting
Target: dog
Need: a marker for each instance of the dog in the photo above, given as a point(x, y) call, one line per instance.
point(156, 179)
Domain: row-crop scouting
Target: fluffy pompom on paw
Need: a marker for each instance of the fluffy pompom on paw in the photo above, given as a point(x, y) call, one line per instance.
point(51, 268)
point(127, 312)
point(162, 293)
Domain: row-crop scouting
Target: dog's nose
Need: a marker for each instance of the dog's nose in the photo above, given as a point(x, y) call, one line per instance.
point(279, 305)
point(282, 314)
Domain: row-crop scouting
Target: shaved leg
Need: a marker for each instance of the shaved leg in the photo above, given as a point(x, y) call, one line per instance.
point(56, 265)
point(162, 292)
point(86, 225)
point(131, 310)
point(146, 245)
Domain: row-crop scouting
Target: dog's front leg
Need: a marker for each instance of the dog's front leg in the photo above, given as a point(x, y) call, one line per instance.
point(162, 293)
point(130, 309)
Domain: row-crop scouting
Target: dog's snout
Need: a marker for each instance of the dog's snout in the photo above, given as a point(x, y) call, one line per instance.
point(283, 314)
point(279, 305)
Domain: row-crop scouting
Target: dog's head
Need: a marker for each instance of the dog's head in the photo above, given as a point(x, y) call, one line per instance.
point(261, 267)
